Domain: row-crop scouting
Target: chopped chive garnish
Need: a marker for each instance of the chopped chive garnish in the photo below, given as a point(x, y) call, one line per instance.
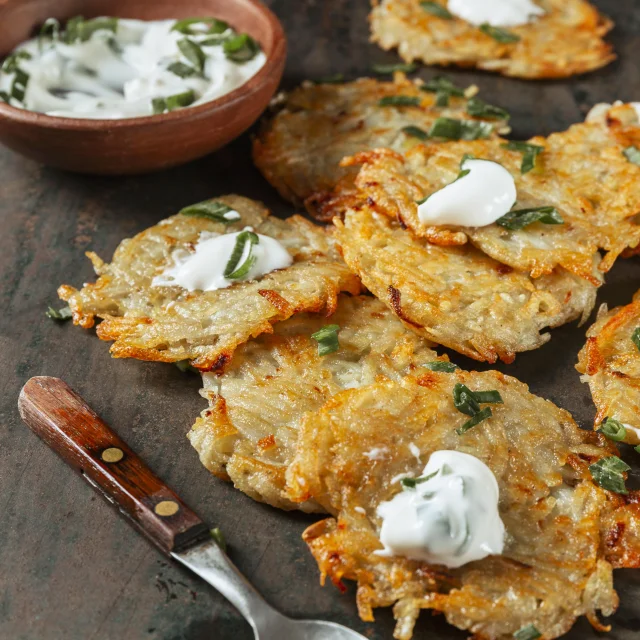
point(336, 78)
point(607, 473)
point(182, 70)
point(213, 26)
point(193, 53)
point(441, 365)
point(436, 9)
point(480, 109)
point(171, 103)
point(213, 40)
point(440, 83)
point(529, 153)
point(213, 210)
point(452, 129)
point(499, 35)
point(411, 483)
point(234, 269)
point(61, 315)
point(218, 536)
point(5, 97)
point(613, 429)
point(467, 401)
point(19, 84)
point(635, 336)
point(399, 101)
point(479, 417)
point(80, 30)
point(385, 69)
point(521, 218)
point(415, 132)
point(10, 64)
point(527, 633)
point(637, 449)
point(632, 154)
point(186, 367)
point(240, 48)
point(327, 339)
point(50, 30)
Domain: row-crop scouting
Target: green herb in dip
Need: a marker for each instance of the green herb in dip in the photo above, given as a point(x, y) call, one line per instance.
point(111, 68)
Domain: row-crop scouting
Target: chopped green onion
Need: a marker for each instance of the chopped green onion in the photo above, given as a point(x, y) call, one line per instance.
point(61, 315)
point(336, 78)
point(50, 29)
point(411, 483)
point(327, 339)
point(442, 84)
point(492, 397)
point(521, 218)
point(613, 429)
point(19, 84)
point(529, 153)
point(479, 417)
point(385, 69)
point(607, 473)
point(399, 101)
point(10, 64)
point(234, 270)
point(464, 400)
point(186, 367)
point(436, 9)
point(635, 336)
point(5, 97)
point(213, 26)
point(212, 210)
point(527, 633)
point(415, 132)
point(452, 129)
point(218, 536)
point(80, 30)
point(182, 70)
point(480, 109)
point(193, 53)
point(171, 103)
point(499, 35)
point(241, 48)
point(441, 365)
point(632, 154)
point(637, 449)
point(213, 41)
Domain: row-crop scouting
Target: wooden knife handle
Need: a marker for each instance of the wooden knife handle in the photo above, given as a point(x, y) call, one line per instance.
point(72, 429)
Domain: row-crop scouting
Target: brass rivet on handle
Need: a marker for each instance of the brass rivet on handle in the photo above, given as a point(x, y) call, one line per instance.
point(112, 454)
point(167, 508)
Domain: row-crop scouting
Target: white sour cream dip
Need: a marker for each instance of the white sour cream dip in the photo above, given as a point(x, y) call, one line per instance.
point(497, 13)
point(477, 199)
point(203, 270)
point(451, 519)
point(125, 71)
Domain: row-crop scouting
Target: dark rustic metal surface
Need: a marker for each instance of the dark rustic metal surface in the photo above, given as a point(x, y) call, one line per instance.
point(70, 568)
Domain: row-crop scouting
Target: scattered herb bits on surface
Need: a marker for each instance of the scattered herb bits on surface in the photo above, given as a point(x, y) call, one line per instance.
point(192, 61)
point(60, 315)
point(529, 153)
point(214, 210)
point(499, 35)
point(608, 473)
point(612, 429)
point(327, 339)
point(521, 218)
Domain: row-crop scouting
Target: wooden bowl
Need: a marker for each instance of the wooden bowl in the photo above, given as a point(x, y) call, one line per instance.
point(139, 145)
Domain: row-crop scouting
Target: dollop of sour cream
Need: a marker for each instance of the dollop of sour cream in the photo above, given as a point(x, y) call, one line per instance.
point(477, 199)
point(450, 519)
point(126, 71)
point(203, 270)
point(498, 13)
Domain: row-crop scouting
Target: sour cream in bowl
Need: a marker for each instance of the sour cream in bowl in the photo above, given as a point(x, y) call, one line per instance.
point(134, 89)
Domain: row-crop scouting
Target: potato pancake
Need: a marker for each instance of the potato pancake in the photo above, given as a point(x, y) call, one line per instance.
point(249, 432)
point(300, 148)
point(564, 533)
point(457, 296)
point(565, 41)
point(582, 173)
point(610, 362)
point(168, 323)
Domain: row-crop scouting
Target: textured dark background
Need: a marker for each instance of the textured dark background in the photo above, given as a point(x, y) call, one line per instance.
point(70, 569)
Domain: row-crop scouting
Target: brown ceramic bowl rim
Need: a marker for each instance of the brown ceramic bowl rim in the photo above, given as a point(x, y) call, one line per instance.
point(94, 124)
